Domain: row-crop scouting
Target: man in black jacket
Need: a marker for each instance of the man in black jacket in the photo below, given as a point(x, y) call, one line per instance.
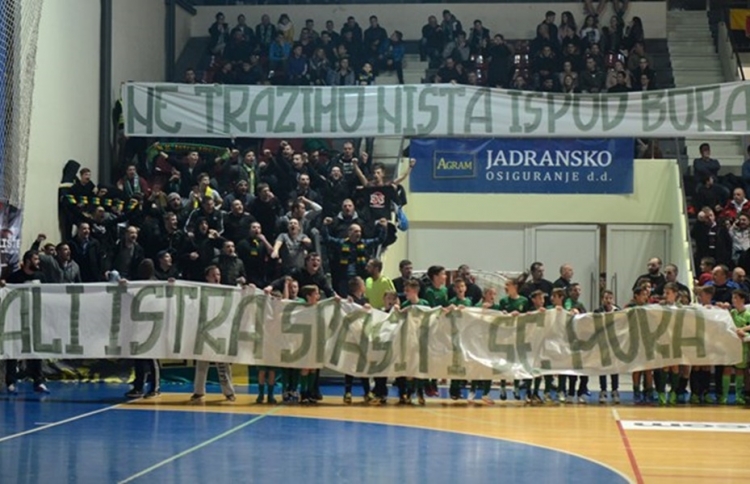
point(127, 256)
point(29, 273)
point(88, 254)
point(310, 275)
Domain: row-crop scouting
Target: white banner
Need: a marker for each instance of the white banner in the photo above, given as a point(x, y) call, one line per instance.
point(219, 323)
point(223, 111)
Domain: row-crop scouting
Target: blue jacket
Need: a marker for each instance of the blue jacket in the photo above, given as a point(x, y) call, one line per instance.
point(389, 50)
point(279, 52)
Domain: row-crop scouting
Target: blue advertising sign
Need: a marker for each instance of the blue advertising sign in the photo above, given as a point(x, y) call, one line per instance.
point(522, 165)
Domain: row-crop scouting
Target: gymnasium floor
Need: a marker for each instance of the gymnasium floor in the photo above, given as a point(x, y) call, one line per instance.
point(88, 433)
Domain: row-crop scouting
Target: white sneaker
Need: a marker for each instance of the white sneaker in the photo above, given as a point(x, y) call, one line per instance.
point(602, 398)
point(615, 397)
point(582, 400)
point(547, 397)
point(41, 388)
point(561, 397)
point(472, 397)
point(12, 389)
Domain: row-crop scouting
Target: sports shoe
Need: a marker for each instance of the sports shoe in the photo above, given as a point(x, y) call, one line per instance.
point(472, 396)
point(615, 395)
point(488, 400)
point(740, 400)
point(723, 400)
point(695, 399)
point(637, 397)
point(197, 398)
point(382, 401)
point(503, 395)
point(231, 397)
point(261, 398)
point(134, 394)
point(516, 394)
point(662, 398)
point(672, 398)
point(547, 397)
point(602, 398)
point(561, 398)
point(369, 397)
point(271, 400)
point(402, 400)
point(152, 394)
point(536, 399)
point(582, 399)
point(420, 400)
point(348, 398)
point(41, 388)
point(709, 399)
point(12, 389)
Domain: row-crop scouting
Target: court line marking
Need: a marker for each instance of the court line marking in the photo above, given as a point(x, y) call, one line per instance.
point(199, 446)
point(58, 423)
point(628, 448)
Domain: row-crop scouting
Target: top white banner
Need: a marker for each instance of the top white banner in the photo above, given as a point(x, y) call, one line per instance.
point(222, 111)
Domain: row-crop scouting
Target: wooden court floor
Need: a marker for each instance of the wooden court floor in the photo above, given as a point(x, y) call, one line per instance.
point(164, 439)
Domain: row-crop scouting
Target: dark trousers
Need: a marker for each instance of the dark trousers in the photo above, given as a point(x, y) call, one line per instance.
point(349, 380)
point(615, 382)
point(381, 387)
point(33, 371)
point(146, 371)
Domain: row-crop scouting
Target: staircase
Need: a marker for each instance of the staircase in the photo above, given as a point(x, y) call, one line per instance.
point(694, 63)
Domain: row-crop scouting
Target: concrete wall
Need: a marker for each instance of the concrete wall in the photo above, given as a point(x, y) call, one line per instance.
point(515, 21)
point(137, 42)
point(183, 24)
point(65, 112)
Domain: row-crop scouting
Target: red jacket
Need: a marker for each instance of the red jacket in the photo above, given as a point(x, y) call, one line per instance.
point(731, 212)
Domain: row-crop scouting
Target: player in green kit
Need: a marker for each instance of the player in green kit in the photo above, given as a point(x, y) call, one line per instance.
point(487, 302)
point(669, 374)
point(741, 317)
point(557, 298)
point(537, 304)
point(406, 384)
point(311, 295)
point(437, 295)
point(514, 304)
point(390, 303)
point(459, 302)
point(640, 298)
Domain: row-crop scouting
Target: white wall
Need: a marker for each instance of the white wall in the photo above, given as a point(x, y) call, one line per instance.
point(183, 24)
point(65, 112)
point(515, 21)
point(137, 42)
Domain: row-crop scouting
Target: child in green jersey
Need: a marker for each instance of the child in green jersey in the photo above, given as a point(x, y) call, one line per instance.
point(514, 304)
point(700, 376)
point(460, 301)
point(406, 384)
point(311, 295)
point(641, 296)
point(741, 317)
point(487, 302)
point(390, 303)
point(437, 295)
point(557, 298)
point(537, 304)
point(670, 373)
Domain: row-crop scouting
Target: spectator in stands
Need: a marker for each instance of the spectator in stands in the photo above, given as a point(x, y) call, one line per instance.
point(57, 268)
point(736, 205)
point(297, 74)
point(278, 53)
point(319, 66)
point(190, 77)
point(247, 31)
point(654, 274)
point(132, 183)
point(590, 33)
point(285, 26)
point(567, 71)
point(592, 79)
point(572, 55)
point(225, 75)
point(620, 81)
point(310, 26)
point(127, 256)
point(353, 48)
point(391, 55)
point(567, 22)
point(219, 32)
point(352, 26)
point(644, 69)
point(723, 286)
point(308, 44)
point(537, 282)
point(498, 70)
point(253, 251)
point(335, 37)
point(545, 65)
point(746, 171)
point(458, 49)
point(374, 36)
point(566, 277)
point(251, 72)
point(351, 253)
point(237, 222)
point(238, 49)
point(343, 75)
point(479, 37)
point(291, 247)
point(709, 194)
point(450, 27)
point(705, 166)
point(739, 277)
point(448, 73)
point(612, 35)
point(208, 213)
point(549, 21)
point(569, 85)
point(83, 186)
point(740, 234)
point(266, 208)
point(265, 32)
point(431, 44)
point(635, 34)
point(543, 38)
point(635, 55)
